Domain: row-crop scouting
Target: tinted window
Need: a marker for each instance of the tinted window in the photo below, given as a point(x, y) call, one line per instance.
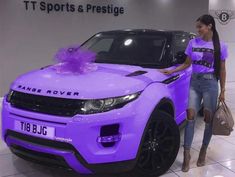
point(102, 45)
point(181, 42)
point(137, 49)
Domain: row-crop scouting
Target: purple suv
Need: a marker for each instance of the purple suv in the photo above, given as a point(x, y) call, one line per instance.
point(122, 117)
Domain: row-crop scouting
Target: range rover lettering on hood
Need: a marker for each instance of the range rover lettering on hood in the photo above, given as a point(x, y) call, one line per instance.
point(49, 92)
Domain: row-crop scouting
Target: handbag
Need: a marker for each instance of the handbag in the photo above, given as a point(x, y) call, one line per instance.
point(222, 123)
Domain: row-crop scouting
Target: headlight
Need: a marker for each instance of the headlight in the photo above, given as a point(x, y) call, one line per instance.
point(9, 95)
point(103, 105)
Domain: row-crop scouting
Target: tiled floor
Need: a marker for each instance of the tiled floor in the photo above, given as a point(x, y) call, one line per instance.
point(220, 161)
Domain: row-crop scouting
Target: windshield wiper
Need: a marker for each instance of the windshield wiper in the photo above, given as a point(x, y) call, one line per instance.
point(144, 65)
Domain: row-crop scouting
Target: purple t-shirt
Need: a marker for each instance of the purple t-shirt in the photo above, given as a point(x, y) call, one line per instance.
point(202, 55)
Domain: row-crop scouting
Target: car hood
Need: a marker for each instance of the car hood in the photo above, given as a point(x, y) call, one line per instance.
point(108, 80)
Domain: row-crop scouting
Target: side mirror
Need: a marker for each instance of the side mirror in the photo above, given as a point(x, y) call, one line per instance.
point(180, 57)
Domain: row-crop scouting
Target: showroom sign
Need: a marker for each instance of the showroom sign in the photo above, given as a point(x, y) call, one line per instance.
point(52, 7)
point(224, 16)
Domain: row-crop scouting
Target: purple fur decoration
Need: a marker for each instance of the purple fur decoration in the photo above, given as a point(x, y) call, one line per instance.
point(75, 60)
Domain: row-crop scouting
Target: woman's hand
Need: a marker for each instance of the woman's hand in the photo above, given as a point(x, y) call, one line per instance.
point(167, 72)
point(222, 96)
point(181, 67)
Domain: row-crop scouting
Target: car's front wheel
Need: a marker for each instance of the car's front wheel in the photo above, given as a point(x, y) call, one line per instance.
point(159, 146)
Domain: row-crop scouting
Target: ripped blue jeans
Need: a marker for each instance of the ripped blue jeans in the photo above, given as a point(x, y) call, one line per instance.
point(203, 88)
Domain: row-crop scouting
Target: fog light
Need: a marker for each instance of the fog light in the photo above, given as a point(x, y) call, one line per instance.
point(109, 139)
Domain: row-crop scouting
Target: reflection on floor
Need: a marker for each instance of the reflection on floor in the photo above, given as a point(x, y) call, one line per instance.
point(220, 161)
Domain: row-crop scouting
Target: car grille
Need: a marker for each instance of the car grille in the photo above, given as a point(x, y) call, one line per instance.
point(43, 157)
point(41, 141)
point(39, 157)
point(44, 104)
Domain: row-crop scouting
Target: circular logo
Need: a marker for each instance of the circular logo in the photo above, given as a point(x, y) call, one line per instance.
point(224, 17)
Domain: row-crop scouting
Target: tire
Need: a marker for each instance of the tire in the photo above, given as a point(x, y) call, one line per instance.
point(159, 147)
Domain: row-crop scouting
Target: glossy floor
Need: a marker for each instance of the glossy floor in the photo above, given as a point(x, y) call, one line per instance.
point(220, 161)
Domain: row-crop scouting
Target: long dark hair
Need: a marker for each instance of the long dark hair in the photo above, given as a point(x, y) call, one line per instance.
point(207, 20)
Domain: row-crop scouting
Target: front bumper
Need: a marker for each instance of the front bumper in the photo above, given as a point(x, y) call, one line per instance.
point(83, 153)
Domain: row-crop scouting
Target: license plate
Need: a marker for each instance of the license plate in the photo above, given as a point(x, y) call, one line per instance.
point(35, 129)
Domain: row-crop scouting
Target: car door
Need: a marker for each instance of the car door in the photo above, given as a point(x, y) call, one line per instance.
point(180, 87)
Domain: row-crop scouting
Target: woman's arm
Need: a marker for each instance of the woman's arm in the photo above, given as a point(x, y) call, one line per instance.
point(185, 65)
point(222, 80)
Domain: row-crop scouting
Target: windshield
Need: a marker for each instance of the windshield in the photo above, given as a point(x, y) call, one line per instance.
point(134, 49)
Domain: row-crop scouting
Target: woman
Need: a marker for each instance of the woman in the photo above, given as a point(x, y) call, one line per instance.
point(207, 55)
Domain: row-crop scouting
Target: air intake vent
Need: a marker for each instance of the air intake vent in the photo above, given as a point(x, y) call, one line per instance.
point(109, 135)
point(136, 73)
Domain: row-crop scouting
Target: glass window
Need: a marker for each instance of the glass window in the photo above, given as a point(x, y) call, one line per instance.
point(136, 49)
point(181, 42)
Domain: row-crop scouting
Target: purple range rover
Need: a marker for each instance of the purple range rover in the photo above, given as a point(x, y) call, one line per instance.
point(122, 117)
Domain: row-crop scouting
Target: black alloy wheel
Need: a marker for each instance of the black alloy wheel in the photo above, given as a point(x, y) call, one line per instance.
point(159, 147)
